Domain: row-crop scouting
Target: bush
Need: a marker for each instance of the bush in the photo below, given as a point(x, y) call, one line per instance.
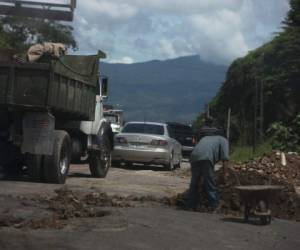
point(286, 137)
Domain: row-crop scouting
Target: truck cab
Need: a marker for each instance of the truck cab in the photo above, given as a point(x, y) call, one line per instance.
point(115, 118)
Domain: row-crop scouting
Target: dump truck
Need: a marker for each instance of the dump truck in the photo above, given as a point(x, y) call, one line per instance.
point(51, 116)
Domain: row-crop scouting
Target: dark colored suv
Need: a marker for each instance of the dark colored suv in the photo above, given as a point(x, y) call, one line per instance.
point(184, 135)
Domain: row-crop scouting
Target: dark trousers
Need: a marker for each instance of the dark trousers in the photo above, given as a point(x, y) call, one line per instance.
point(203, 173)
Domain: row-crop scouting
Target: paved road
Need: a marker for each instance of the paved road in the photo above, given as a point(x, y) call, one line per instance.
point(150, 227)
point(157, 228)
point(138, 180)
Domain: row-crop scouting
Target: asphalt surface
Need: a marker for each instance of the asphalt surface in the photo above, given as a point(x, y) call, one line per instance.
point(157, 228)
point(150, 226)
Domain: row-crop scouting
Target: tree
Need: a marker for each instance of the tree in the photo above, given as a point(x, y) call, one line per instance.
point(293, 17)
point(276, 64)
point(20, 33)
point(4, 41)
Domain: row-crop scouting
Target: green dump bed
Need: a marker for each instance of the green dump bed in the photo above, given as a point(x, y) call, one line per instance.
point(66, 87)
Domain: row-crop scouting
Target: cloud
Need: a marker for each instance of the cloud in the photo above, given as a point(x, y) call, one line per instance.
point(217, 30)
point(116, 9)
point(218, 37)
point(123, 60)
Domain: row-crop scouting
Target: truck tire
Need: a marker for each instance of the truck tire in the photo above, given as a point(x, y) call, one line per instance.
point(56, 166)
point(35, 169)
point(100, 161)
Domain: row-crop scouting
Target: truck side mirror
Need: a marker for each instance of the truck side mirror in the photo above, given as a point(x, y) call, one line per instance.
point(104, 86)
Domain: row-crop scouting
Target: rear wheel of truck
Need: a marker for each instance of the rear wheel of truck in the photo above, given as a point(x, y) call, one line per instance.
point(100, 161)
point(56, 166)
point(35, 169)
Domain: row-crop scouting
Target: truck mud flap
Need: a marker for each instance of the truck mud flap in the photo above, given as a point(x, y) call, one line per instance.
point(38, 133)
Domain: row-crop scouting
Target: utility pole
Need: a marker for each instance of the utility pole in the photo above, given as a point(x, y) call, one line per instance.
point(207, 110)
point(228, 124)
point(261, 120)
point(258, 132)
point(255, 115)
point(261, 102)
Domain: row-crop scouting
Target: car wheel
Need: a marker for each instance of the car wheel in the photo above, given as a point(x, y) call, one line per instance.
point(170, 165)
point(128, 164)
point(178, 165)
point(115, 164)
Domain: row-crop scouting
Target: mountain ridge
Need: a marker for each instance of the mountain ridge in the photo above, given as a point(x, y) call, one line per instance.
point(163, 90)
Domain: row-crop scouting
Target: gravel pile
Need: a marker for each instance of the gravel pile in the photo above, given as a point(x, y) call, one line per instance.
point(271, 166)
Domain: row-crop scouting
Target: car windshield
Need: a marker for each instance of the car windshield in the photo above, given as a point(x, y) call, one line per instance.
point(144, 128)
point(111, 118)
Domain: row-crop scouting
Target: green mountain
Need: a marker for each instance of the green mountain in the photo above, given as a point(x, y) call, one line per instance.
point(171, 90)
point(275, 65)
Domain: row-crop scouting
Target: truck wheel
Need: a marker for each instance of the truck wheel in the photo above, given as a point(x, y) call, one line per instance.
point(56, 166)
point(34, 164)
point(100, 162)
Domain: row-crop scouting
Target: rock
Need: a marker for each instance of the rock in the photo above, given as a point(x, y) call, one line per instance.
point(297, 191)
point(265, 160)
point(237, 167)
point(260, 171)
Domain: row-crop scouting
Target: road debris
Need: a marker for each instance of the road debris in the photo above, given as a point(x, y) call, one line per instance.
point(67, 204)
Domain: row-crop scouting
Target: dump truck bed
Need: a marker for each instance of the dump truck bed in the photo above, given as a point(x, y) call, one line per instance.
point(66, 87)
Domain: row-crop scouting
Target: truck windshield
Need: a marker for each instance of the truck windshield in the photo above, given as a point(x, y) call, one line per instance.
point(143, 128)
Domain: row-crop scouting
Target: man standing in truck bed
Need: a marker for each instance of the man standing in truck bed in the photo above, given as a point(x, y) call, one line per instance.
point(211, 149)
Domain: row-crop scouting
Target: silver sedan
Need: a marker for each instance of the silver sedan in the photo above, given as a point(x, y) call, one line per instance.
point(147, 143)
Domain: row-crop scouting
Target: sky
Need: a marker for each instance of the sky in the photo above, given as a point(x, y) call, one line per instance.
point(218, 31)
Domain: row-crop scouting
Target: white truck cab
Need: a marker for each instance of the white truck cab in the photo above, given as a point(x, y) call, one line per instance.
point(115, 118)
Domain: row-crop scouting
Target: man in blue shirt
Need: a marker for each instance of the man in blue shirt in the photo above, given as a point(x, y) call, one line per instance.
point(209, 150)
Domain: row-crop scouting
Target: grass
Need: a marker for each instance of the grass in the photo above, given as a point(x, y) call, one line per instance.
point(245, 153)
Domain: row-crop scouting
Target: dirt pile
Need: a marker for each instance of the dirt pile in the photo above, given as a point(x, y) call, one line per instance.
point(270, 166)
point(267, 170)
point(63, 206)
point(67, 204)
point(264, 171)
